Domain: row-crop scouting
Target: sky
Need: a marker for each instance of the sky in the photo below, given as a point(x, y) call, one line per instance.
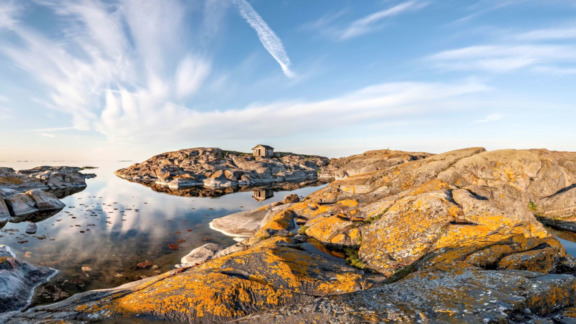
point(128, 79)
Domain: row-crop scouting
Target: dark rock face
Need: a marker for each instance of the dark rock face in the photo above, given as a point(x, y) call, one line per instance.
point(216, 168)
point(18, 280)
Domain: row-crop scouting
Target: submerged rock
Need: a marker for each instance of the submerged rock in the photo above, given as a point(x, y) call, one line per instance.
point(18, 280)
point(200, 255)
point(31, 228)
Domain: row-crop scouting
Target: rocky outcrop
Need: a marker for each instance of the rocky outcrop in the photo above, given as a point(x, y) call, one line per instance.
point(367, 162)
point(216, 168)
point(32, 195)
point(43, 177)
point(18, 280)
point(461, 296)
point(449, 238)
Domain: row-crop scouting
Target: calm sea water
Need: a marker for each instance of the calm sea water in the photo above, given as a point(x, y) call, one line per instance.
point(116, 231)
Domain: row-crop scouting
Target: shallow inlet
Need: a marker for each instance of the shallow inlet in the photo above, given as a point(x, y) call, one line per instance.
point(116, 231)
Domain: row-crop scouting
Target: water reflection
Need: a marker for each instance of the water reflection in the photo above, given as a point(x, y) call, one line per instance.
point(219, 192)
point(568, 239)
point(117, 231)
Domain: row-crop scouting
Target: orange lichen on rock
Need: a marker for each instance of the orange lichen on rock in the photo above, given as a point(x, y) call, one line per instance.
point(325, 228)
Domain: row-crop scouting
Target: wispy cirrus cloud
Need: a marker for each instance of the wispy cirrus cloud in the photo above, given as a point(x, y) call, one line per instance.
point(8, 11)
point(267, 37)
point(503, 58)
point(371, 22)
point(489, 118)
point(128, 115)
point(128, 44)
point(549, 34)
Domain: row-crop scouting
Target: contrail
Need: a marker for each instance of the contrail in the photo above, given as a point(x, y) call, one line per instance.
point(268, 38)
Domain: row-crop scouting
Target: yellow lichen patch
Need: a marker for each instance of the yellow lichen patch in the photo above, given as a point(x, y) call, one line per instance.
point(569, 312)
point(408, 232)
point(310, 209)
point(324, 228)
point(349, 203)
point(281, 221)
point(343, 283)
point(432, 185)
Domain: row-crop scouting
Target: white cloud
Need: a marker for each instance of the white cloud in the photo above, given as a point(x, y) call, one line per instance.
point(489, 118)
point(549, 34)
point(503, 58)
point(49, 135)
point(8, 12)
point(190, 75)
point(268, 38)
point(369, 23)
point(3, 98)
point(130, 44)
point(129, 116)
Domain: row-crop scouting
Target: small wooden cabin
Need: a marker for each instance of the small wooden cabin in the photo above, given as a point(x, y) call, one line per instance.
point(262, 194)
point(263, 151)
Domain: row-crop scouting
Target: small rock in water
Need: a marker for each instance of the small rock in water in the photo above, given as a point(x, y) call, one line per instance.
point(118, 275)
point(31, 228)
point(86, 269)
point(144, 264)
point(174, 246)
point(27, 254)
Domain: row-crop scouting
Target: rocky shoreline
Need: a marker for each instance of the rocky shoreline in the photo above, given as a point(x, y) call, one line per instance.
point(216, 168)
point(30, 196)
point(452, 237)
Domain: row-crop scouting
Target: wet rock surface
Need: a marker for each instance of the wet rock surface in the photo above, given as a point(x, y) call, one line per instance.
point(216, 168)
point(451, 237)
point(18, 279)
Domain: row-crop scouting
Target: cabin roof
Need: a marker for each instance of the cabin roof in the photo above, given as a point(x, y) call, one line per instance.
point(264, 146)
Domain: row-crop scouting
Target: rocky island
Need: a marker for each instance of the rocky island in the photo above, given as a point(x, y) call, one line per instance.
point(453, 237)
point(216, 168)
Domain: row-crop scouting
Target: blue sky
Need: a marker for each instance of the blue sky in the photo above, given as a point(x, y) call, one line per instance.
point(126, 79)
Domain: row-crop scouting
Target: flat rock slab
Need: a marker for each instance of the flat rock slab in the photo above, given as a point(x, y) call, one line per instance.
point(200, 255)
point(45, 200)
point(239, 225)
point(21, 204)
